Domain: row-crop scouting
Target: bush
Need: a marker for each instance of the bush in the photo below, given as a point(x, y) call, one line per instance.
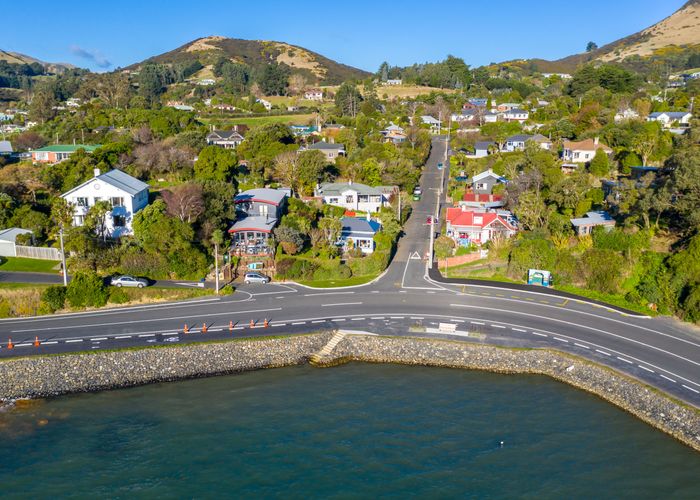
point(333, 211)
point(86, 289)
point(5, 308)
point(338, 272)
point(54, 298)
point(296, 268)
point(118, 296)
point(227, 290)
point(284, 265)
point(372, 264)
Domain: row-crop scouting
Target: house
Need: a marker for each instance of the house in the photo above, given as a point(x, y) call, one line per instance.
point(483, 148)
point(479, 102)
point(206, 82)
point(507, 106)
point(563, 76)
point(330, 150)
point(583, 151)
point(126, 195)
point(472, 114)
point(585, 225)
point(434, 123)
point(257, 214)
point(517, 142)
point(481, 201)
point(5, 148)
point(314, 95)
point(516, 115)
point(484, 182)
point(266, 104)
point(354, 196)
point(625, 115)
point(179, 106)
point(393, 81)
point(302, 130)
point(358, 233)
point(491, 117)
point(8, 240)
point(669, 118)
point(469, 226)
point(224, 107)
point(394, 134)
point(227, 139)
point(59, 152)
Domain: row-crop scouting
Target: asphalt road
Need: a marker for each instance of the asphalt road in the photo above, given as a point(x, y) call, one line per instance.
point(404, 301)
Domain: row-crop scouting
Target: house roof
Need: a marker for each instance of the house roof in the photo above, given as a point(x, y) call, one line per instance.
point(516, 111)
point(430, 120)
point(326, 146)
point(118, 179)
point(393, 128)
point(466, 218)
point(483, 144)
point(595, 218)
point(11, 233)
point(224, 134)
point(355, 225)
point(488, 173)
point(482, 198)
point(670, 114)
point(337, 188)
point(67, 148)
point(254, 223)
point(5, 147)
point(526, 137)
point(586, 145)
point(261, 195)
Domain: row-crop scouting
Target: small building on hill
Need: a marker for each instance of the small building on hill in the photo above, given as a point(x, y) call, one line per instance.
point(358, 233)
point(583, 151)
point(59, 152)
point(470, 226)
point(484, 182)
point(330, 150)
point(354, 196)
point(585, 225)
point(227, 139)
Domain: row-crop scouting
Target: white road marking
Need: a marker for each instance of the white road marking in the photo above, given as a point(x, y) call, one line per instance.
point(518, 329)
point(625, 360)
point(417, 317)
point(691, 389)
point(497, 326)
point(539, 334)
point(176, 333)
point(378, 317)
point(71, 341)
point(647, 369)
point(279, 298)
point(147, 335)
point(431, 291)
point(396, 317)
point(98, 338)
point(342, 304)
point(299, 323)
point(581, 345)
point(211, 330)
point(560, 340)
point(50, 342)
point(339, 319)
point(457, 320)
point(123, 337)
point(667, 378)
point(603, 352)
point(403, 291)
point(357, 319)
point(476, 323)
point(22, 345)
point(319, 321)
point(327, 293)
point(239, 328)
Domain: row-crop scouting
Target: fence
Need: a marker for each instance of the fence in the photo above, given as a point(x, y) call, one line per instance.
point(43, 253)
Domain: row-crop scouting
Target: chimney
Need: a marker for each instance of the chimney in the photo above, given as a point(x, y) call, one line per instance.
point(595, 141)
point(464, 208)
point(96, 172)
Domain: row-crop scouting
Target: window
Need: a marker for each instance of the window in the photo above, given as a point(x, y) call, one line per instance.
point(97, 198)
point(117, 201)
point(333, 201)
point(481, 185)
point(349, 199)
point(118, 220)
point(82, 202)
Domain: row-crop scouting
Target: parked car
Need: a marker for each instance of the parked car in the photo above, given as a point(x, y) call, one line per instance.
point(255, 278)
point(125, 280)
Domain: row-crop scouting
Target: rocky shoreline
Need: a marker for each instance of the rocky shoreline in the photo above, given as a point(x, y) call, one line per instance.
point(39, 377)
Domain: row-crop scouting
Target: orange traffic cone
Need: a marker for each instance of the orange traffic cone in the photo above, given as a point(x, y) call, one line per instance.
point(267, 323)
point(10, 345)
point(204, 328)
point(186, 329)
point(230, 326)
point(252, 323)
point(36, 342)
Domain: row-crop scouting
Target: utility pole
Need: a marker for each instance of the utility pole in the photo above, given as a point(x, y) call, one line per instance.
point(399, 205)
point(63, 258)
point(216, 267)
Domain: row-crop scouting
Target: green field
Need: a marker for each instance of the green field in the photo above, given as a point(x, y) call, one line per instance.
point(355, 280)
point(28, 265)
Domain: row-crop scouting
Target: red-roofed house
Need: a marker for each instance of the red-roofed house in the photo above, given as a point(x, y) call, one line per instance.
point(477, 200)
point(466, 226)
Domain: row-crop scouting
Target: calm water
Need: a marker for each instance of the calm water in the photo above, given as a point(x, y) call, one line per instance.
point(346, 432)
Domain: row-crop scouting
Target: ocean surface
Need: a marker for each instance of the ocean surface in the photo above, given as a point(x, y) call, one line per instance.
point(354, 431)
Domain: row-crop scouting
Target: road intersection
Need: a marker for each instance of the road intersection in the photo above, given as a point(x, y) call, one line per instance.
point(404, 301)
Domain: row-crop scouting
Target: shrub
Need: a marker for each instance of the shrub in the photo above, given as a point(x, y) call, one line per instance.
point(118, 296)
point(227, 290)
point(284, 265)
point(86, 289)
point(5, 308)
point(54, 298)
point(332, 273)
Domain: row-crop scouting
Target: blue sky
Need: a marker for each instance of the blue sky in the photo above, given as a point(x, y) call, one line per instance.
point(106, 35)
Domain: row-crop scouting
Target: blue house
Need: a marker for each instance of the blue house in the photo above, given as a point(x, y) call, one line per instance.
point(358, 233)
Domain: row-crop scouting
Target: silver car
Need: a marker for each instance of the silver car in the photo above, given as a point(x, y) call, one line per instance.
point(255, 278)
point(120, 281)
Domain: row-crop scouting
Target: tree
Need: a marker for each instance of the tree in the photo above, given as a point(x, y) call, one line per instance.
point(591, 46)
point(289, 238)
point(383, 72)
point(215, 164)
point(297, 84)
point(599, 166)
point(274, 79)
point(348, 99)
point(645, 140)
point(43, 103)
point(311, 165)
point(286, 169)
point(7, 205)
point(29, 140)
point(331, 227)
point(96, 218)
point(86, 289)
point(186, 201)
point(444, 246)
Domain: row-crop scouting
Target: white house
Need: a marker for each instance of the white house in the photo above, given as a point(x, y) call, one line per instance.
point(266, 104)
point(668, 118)
point(206, 82)
point(358, 233)
point(583, 151)
point(314, 95)
point(563, 76)
point(126, 194)
point(433, 122)
point(516, 115)
point(517, 142)
point(626, 114)
point(394, 81)
point(227, 139)
point(354, 196)
point(491, 117)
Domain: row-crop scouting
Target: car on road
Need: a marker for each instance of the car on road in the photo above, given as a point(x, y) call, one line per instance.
point(440, 166)
point(417, 193)
point(120, 281)
point(255, 278)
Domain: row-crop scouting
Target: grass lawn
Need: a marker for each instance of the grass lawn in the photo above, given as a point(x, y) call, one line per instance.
point(28, 265)
point(355, 280)
point(19, 286)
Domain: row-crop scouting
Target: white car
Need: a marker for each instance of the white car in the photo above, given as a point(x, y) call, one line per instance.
point(255, 278)
point(120, 281)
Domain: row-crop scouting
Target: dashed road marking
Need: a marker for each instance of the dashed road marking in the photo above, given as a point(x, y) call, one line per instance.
point(22, 345)
point(342, 304)
point(476, 323)
point(581, 345)
point(319, 321)
point(166, 334)
point(518, 329)
point(377, 317)
point(667, 378)
point(123, 337)
point(603, 352)
point(497, 326)
point(457, 320)
point(539, 334)
point(396, 317)
point(357, 319)
point(299, 323)
point(211, 330)
point(560, 340)
point(691, 389)
point(645, 368)
point(98, 338)
point(417, 317)
point(339, 319)
point(147, 335)
point(71, 341)
point(239, 328)
point(50, 342)
point(625, 360)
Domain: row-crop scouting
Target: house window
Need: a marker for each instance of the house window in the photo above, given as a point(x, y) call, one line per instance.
point(97, 199)
point(349, 199)
point(82, 202)
point(333, 201)
point(481, 185)
point(362, 198)
point(118, 220)
point(117, 201)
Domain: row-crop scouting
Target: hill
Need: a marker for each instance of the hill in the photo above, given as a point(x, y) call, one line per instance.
point(17, 58)
point(256, 53)
point(678, 34)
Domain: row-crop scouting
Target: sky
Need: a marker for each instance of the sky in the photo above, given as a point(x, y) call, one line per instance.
point(103, 36)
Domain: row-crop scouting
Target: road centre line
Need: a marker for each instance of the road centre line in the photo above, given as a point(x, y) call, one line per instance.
point(147, 335)
point(602, 352)
point(92, 325)
point(560, 340)
point(299, 323)
point(98, 338)
point(668, 378)
point(327, 293)
point(74, 340)
point(50, 342)
point(540, 334)
point(625, 360)
point(123, 337)
point(342, 304)
point(497, 326)
point(581, 345)
point(518, 329)
point(477, 323)
point(647, 369)
point(691, 389)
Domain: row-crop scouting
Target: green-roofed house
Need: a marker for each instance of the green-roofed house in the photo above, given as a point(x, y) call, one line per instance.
point(59, 152)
